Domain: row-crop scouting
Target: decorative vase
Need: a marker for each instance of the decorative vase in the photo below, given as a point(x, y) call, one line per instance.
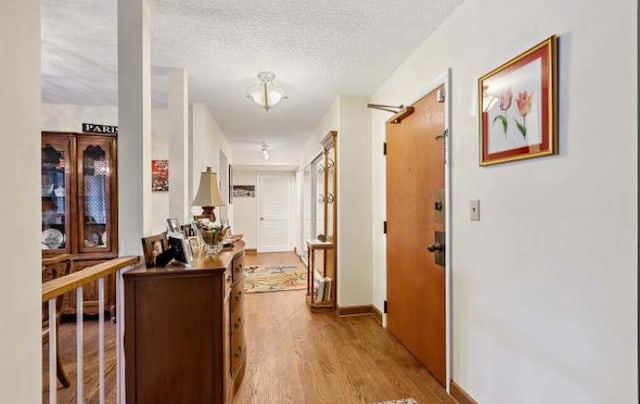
point(213, 241)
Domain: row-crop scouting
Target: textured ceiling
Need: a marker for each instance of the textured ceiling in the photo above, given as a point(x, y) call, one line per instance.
point(317, 48)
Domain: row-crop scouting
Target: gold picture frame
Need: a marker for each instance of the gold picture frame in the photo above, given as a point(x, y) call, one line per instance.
point(518, 106)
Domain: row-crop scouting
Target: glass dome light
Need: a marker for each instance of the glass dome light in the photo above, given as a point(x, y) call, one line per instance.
point(266, 94)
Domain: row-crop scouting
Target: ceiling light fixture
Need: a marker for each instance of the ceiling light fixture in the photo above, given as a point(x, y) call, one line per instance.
point(265, 150)
point(266, 94)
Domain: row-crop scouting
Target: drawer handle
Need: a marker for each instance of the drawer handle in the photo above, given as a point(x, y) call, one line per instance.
point(238, 324)
point(239, 268)
point(238, 295)
point(228, 278)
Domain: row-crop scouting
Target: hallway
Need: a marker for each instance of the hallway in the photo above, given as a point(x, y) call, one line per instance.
point(298, 357)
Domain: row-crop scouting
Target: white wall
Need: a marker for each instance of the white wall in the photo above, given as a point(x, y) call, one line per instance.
point(69, 118)
point(245, 210)
point(354, 203)
point(208, 140)
point(331, 121)
point(544, 286)
point(21, 341)
point(134, 125)
point(161, 126)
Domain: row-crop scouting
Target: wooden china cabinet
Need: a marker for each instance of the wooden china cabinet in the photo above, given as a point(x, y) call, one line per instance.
point(80, 206)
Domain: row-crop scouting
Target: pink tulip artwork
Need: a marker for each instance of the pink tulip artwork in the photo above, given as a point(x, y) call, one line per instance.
point(524, 103)
point(518, 103)
point(506, 98)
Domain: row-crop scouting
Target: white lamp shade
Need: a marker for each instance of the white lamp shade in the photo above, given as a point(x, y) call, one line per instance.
point(266, 94)
point(208, 194)
point(274, 95)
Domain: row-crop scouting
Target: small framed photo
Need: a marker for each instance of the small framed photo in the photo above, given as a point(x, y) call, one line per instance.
point(518, 102)
point(174, 225)
point(181, 247)
point(196, 232)
point(194, 241)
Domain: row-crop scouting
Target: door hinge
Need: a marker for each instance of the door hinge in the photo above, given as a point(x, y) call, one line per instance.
point(384, 148)
point(385, 307)
point(384, 227)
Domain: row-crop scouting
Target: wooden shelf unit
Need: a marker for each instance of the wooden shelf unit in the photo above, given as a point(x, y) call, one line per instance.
point(80, 202)
point(321, 255)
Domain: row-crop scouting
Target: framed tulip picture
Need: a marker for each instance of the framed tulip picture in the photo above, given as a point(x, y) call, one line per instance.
point(518, 103)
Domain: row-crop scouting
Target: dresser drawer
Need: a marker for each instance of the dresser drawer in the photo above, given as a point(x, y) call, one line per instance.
point(227, 281)
point(238, 267)
point(238, 349)
point(237, 318)
point(237, 295)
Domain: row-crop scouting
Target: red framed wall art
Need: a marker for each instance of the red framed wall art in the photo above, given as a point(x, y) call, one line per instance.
point(518, 103)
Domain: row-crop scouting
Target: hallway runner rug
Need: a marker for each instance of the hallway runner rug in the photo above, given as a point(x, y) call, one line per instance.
point(403, 401)
point(274, 278)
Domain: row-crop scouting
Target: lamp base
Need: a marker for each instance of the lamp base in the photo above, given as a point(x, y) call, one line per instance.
point(209, 211)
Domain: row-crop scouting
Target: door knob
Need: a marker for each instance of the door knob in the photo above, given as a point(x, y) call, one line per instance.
point(435, 247)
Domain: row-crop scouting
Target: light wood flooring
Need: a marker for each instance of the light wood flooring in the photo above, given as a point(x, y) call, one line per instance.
point(293, 356)
point(67, 341)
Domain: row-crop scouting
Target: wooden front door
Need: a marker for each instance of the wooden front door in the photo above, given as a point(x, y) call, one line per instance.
point(415, 212)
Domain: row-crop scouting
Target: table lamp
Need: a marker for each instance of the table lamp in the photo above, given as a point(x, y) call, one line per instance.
point(208, 196)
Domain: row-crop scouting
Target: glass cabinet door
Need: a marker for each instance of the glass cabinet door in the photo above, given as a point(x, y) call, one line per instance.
point(55, 193)
point(94, 188)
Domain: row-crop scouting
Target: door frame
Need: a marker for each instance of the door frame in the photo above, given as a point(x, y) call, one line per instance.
point(440, 80)
point(291, 219)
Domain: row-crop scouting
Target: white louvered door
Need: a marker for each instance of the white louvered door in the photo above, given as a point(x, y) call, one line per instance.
point(274, 212)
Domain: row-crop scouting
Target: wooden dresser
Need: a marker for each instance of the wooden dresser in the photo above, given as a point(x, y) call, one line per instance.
point(184, 330)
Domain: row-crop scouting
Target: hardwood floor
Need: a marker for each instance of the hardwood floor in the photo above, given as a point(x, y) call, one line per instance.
point(293, 356)
point(67, 340)
point(298, 357)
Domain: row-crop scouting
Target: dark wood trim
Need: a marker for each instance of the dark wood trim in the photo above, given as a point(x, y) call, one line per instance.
point(251, 251)
point(108, 146)
point(460, 395)
point(377, 314)
point(355, 310)
point(114, 198)
point(63, 143)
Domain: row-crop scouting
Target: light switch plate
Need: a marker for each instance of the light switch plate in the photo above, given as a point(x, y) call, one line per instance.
point(474, 209)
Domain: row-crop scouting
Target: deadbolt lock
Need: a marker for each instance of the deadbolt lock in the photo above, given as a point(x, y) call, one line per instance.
point(438, 248)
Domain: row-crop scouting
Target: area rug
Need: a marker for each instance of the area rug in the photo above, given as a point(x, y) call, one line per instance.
point(274, 278)
point(402, 401)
